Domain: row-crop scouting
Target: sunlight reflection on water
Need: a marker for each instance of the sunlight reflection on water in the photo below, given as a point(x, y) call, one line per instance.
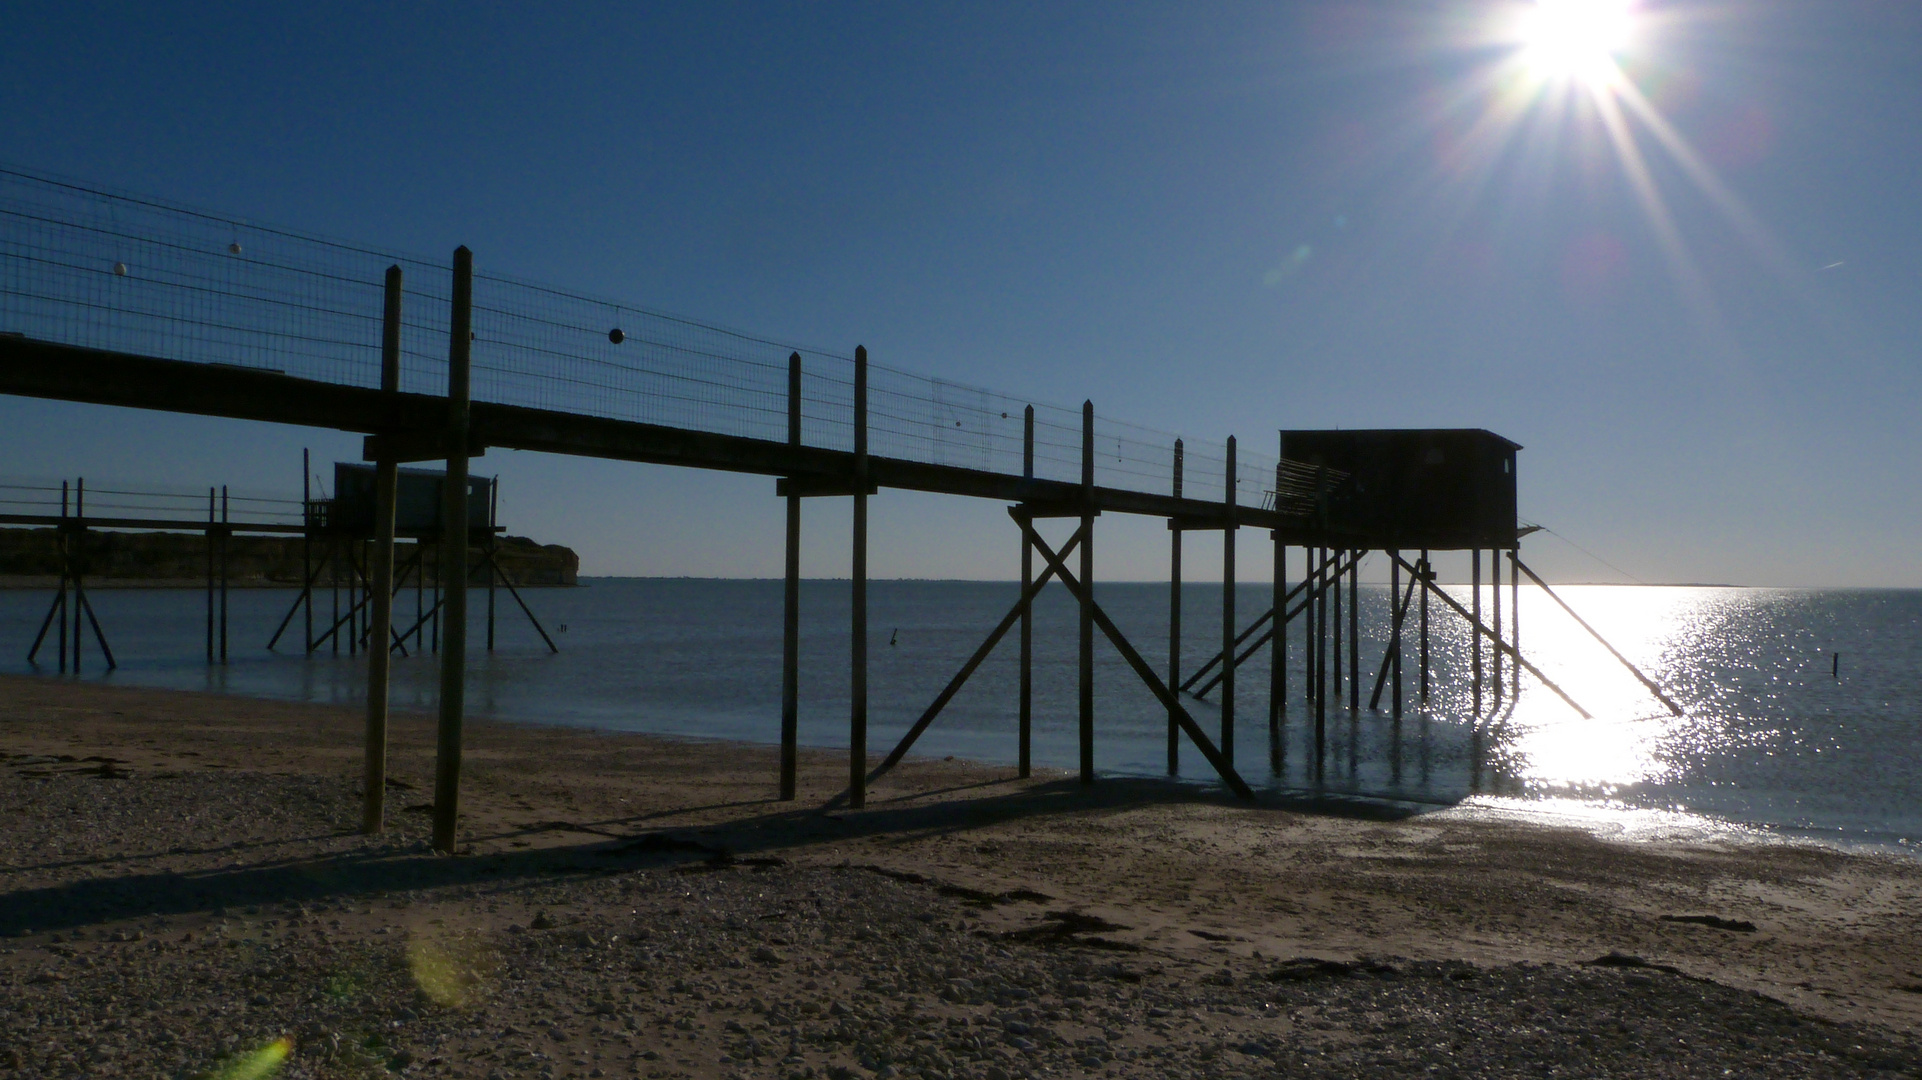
point(1767, 734)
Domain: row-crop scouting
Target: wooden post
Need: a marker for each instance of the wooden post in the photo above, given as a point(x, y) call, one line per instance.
point(1025, 736)
point(1475, 663)
point(1396, 610)
point(76, 557)
point(66, 568)
point(1228, 530)
point(307, 544)
point(453, 558)
point(225, 538)
point(1427, 575)
point(1311, 597)
point(1321, 663)
point(212, 516)
point(1394, 630)
point(493, 512)
point(1475, 631)
point(1278, 656)
point(1334, 672)
point(1087, 593)
point(1515, 614)
point(791, 603)
point(380, 650)
point(1354, 633)
point(858, 651)
point(1174, 617)
point(1495, 596)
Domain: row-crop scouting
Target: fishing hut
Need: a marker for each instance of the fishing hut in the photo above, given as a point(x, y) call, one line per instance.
point(338, 539)
point(1411, 494)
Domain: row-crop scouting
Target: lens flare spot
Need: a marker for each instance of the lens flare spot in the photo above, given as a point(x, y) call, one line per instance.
point(452, 972)
point(1291, 264)
point(256, 1064)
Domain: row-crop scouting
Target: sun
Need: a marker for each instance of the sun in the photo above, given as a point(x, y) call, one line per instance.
point(1576, 39)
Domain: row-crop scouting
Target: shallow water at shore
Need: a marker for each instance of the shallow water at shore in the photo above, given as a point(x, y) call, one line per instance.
point(1768, 739)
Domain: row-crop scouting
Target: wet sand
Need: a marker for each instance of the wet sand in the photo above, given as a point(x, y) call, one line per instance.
point(612, 888)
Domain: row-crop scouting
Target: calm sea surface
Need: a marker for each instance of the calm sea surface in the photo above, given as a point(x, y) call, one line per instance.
point(1769, 739)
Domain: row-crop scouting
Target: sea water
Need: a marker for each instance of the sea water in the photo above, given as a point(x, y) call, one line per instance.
point(1801, 710)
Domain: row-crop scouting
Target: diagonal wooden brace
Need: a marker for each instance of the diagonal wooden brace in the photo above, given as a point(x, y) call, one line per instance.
point(1333, 570)
point(961, 677)
point(1430, 586)
point(1222, 768)
point(1637, 672)
point(1323, 579)
point(1394, 644)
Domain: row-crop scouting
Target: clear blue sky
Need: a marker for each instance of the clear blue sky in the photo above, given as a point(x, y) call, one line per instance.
point(1211, 219)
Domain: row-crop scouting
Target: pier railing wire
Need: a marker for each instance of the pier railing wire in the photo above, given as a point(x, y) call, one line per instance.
point(120, 499)
point(80, 265)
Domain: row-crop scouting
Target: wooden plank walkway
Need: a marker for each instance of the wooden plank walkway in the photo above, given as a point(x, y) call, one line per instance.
point(31, 368)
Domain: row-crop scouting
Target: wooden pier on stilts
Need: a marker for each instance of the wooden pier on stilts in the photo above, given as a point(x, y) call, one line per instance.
point(312, 334)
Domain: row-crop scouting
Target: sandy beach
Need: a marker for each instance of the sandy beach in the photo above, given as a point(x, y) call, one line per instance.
point(181, 887)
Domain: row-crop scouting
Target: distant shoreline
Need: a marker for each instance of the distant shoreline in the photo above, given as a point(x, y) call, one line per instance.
point(1247, 582)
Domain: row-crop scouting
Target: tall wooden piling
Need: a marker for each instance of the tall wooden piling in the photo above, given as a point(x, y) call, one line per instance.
point(791, 602)
point(66, 565)
point(453, 558)
point(225, 535)
point(858, 643)
point(1310, 597)
point(493, 574)
point(1515, 616)
point(307, 545)
point(1495, 597)
point(1087, 594)
point(1475, 666)
point(1321, 663)
point(1024, 765)
point(212, 516)
point(1427, 575)
point(1228, 609)
point(1174, 617)
point(1396, 614)
point(380, 649)
point(1334, 673)
point(1354, 632)
point(1475, 631)
point(1278, 654)
point(76, 557)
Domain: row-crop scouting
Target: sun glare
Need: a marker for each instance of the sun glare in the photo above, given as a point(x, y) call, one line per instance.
point(1576, 39)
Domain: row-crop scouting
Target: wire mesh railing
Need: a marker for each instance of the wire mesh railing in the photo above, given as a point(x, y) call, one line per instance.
point(120, 500)
point(80, 265)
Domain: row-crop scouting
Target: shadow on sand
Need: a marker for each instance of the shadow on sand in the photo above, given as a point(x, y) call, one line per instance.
point(618, 847)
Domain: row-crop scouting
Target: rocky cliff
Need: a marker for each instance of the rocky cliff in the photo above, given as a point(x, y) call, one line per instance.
point(31, 556)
